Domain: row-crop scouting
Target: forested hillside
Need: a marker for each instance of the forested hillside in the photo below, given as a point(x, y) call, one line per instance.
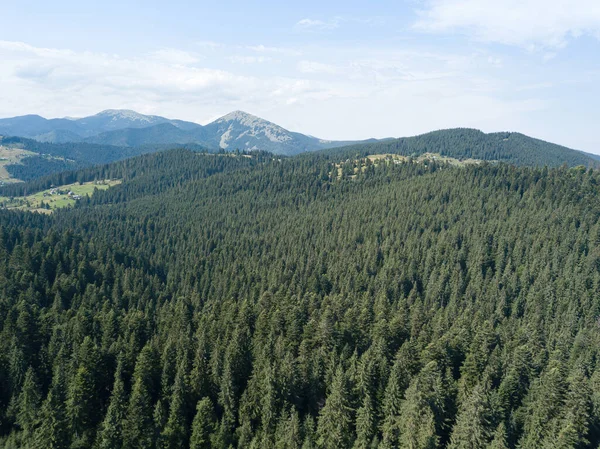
point(59, 157)
point(464, 143)
point(246, 301)
point(243, 132)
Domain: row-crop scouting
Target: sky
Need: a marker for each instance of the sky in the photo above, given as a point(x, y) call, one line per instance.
point(333, 69)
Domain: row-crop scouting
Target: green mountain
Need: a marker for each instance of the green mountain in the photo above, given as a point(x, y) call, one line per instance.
point(464, 143)
point(246, 132)
point(164, 133)
point(245, 300)
point(249, 133)
point(56, 157)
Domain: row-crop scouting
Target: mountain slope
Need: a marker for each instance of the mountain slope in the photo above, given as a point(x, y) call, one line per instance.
point(72, 130)
point(464, 143)
point(240, 130)
point(116, 119)
point(45, 158)
point(34, 125)
point(163, 133)
point(237, 130)
point(59, 136)
point(271, 301)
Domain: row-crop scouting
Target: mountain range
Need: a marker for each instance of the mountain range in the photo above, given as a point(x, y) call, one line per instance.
point(52, 145)
point(237, 130)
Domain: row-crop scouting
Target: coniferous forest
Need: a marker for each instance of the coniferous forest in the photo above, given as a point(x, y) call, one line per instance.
point(246, 301)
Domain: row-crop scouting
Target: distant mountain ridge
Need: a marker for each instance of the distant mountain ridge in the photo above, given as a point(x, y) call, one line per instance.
point(466, 143)
point(122, 133)
point(77, 129)
point(236, 130)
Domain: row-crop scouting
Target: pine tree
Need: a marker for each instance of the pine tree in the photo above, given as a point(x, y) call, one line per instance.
point(28, 404)
point(471, 430)
point(500, 438)
point(365, 424)
point(417, 422)
point(203, 425)
point(334, 428)
point(175, 434)
point(79, 407)
point(111, 430)
point(138, 428)
point(53, 431)
point(288, 434)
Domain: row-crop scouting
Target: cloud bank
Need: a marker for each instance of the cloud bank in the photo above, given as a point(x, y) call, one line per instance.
point(532, 24)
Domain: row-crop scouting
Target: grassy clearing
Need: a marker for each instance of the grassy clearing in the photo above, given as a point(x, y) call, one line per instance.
point(56, 198)
point(377, 159)
point(10, 156)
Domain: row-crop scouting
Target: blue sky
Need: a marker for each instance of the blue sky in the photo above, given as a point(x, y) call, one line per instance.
point(337, 70)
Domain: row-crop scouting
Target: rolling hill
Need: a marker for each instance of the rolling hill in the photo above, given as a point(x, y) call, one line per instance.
point(465, 143)
point(253, 301)
point(44, 158)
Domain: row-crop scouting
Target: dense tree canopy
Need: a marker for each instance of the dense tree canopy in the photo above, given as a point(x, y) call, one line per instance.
point(217, 301)
point(465, 143)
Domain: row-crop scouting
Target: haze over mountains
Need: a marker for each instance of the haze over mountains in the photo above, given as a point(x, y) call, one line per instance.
point(237, 130)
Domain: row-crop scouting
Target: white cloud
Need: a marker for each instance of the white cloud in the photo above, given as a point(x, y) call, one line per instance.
point(316, 67)
point(211, 45)
point(318, 25)
point(237, 59)
point(331, 92)
point(174, 56)
point(532, 24)
point(58, 82)
point(279, 50)
point(495, 61)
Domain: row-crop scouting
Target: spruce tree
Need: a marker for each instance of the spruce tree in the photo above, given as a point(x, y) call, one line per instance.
point(79, 407)
point(472, 427)
point(499, 440)
point(111, 430)
point(53, 430)
point(203, 425)
point(399, 379)
point(138, 427)
point(289, 435)
point(334, 427)
point(365, 424)
point(175, 434)
point(417, 428)
point(28, 404)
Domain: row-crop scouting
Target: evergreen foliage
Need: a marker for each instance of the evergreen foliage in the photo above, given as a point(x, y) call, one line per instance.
point(225, 301)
